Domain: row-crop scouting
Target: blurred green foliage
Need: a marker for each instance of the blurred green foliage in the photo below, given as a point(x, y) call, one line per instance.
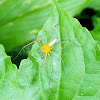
point(96, 32)
point(95, 4)
point(21, 20)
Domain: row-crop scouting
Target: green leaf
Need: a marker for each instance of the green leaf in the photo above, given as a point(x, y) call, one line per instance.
point(7, 74)
point(80, 79)
point(96, 31)
point(20, 21)
point(95, 4)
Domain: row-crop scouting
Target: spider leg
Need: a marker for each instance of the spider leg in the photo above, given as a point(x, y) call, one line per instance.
point(60, 58)
point(41, 67)
point(52, 33)
point(51, 68)
point(64, 42)
point(41, 38)
point(26, 46)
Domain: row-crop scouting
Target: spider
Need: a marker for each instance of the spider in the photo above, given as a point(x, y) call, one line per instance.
point(46, 50)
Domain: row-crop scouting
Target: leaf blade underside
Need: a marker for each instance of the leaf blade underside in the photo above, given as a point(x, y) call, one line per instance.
point(80, 78)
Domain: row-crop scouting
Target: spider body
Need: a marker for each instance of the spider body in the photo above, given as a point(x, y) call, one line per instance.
point(47, 49)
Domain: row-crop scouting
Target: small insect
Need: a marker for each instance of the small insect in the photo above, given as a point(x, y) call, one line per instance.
point(46, 50)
